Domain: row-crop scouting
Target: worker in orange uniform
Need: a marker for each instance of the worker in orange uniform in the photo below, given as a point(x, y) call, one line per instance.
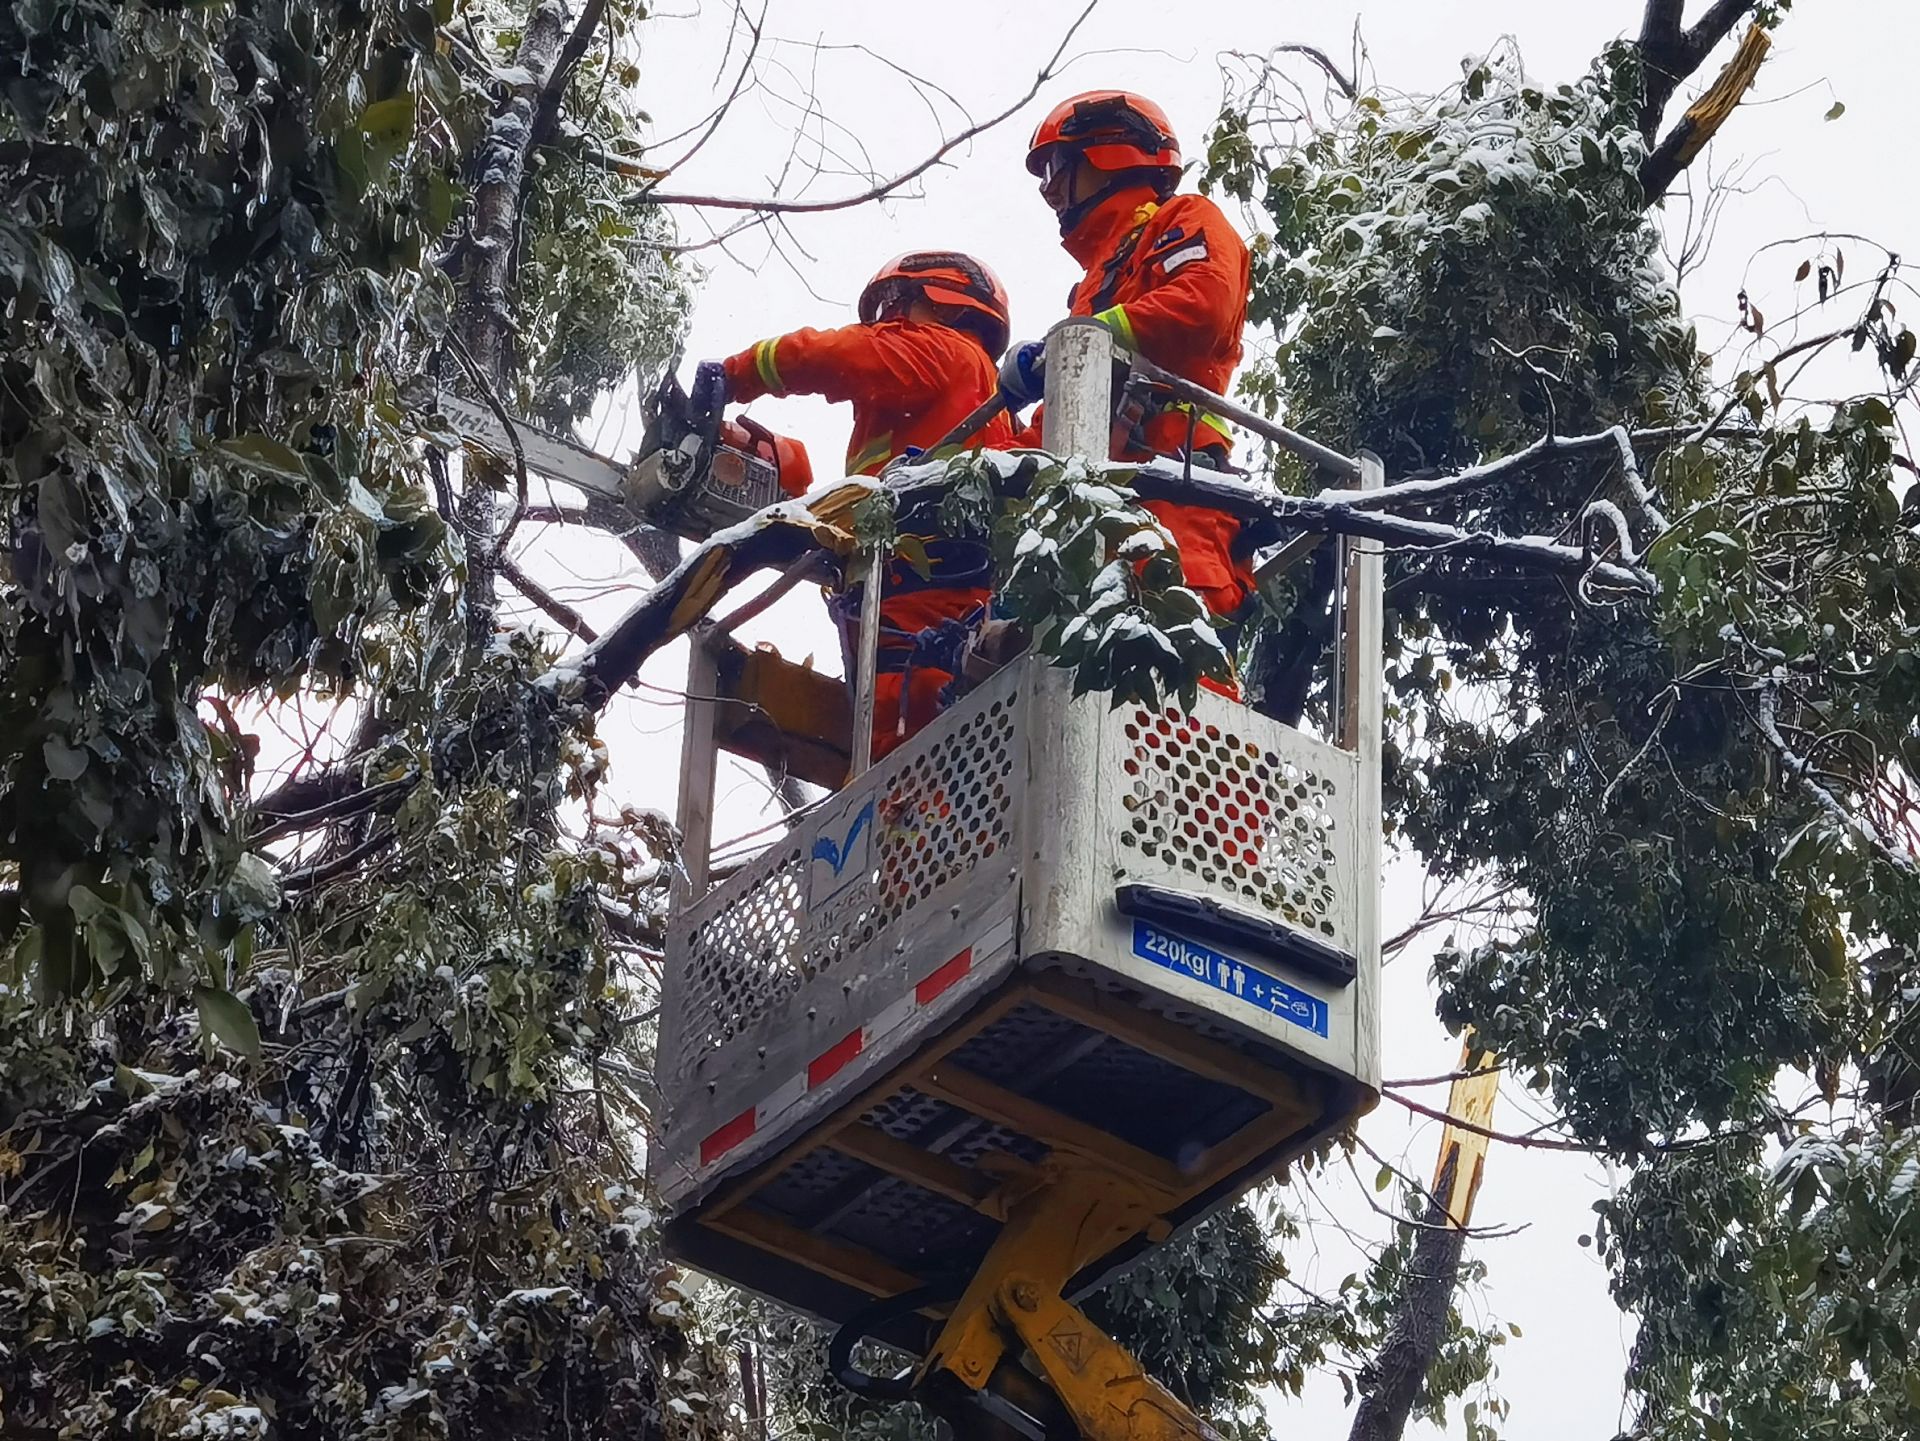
point(922, 359)
point(1169, 276)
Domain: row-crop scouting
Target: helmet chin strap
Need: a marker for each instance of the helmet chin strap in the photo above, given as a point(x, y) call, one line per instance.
point(1119, 180)
point(1072, 215)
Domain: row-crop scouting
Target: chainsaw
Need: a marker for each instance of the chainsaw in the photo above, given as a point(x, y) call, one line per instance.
point(696, 471)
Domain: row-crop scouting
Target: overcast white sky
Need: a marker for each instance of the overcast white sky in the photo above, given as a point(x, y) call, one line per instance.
point(1807, 175)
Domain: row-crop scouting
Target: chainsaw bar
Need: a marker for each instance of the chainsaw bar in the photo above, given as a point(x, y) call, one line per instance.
point(682, 480)
point(550, 455)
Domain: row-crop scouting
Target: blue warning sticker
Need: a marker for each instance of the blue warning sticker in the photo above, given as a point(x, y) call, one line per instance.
point(1245, 983)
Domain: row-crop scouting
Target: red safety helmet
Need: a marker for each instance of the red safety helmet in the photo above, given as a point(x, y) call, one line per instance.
point(949, 279)
point(1111, 129)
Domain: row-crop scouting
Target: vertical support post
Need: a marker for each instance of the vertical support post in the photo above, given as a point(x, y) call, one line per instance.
point(699, 751)
point(866, 661)
point(1079, 390)
point(1360, 723)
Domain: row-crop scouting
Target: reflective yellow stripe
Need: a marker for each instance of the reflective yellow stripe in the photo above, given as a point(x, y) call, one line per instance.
point(875, 451)
point(1206, 417)
point(1115, 319)
point(764, 363)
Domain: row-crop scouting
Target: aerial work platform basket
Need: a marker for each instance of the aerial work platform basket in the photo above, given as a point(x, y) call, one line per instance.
point(1044, 930)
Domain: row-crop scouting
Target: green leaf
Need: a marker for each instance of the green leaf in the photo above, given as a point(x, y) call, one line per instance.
point(262, 453)
point(1838, 109)
point(1384, 1179)
point(253, 890)
point(912, 549)
point(226, 1018)
point(388, 126)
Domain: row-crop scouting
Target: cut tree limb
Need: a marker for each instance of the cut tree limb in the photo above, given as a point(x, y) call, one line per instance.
point(777, 536)
point(1670, 51)
point(1704, 117)
point(1391, 1382)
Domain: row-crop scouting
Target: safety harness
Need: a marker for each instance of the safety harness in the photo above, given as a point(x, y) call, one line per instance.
point(952, 564)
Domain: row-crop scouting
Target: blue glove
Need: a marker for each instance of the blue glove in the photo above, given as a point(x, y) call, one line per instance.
point(709, 395)
point(1022, 374)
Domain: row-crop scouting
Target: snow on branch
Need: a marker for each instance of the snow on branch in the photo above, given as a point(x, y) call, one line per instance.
point(777, 536)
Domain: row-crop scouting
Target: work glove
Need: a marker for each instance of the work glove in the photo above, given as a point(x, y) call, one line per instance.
point(1022, 374)
point(709, 396)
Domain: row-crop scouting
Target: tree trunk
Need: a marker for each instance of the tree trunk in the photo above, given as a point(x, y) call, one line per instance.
point(486, 282)
point(1392, 1380)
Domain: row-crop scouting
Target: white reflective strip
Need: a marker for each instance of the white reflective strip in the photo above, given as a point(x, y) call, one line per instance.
point(790, 1091)
point(1195, 251)
point(893, 1016)
point(993, 940)
point(996, 938)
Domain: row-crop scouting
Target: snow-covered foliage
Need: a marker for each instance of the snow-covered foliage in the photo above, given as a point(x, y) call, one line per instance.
point(317, 1107)
point(1096, 580)
point(1446, 276)
point(1707, 795)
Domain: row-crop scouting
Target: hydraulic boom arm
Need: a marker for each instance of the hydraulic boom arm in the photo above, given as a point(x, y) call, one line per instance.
point(1015, 1357)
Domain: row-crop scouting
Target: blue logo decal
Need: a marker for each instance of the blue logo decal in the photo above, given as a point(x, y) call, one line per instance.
point(838, 857)
point(1245, 983)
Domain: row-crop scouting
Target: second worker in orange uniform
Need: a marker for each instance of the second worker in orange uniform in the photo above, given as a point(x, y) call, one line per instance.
point(1169, 276)
point(922, 359)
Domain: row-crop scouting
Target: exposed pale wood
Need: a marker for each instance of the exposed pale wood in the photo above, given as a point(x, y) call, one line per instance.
point(789, 717)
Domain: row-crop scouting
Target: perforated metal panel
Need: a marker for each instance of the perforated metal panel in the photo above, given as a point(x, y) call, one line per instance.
point(741, 962)
point(1020, 797)
point(809, 941)
point(1240, 817)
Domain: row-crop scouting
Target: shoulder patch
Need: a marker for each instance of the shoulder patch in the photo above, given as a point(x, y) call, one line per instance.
point(1195, 251)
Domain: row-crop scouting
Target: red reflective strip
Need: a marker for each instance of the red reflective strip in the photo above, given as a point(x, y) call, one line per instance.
point(830, 1062)
point(727, 1137)
point(952, 971)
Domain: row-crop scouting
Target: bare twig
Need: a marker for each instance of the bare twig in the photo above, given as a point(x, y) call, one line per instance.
point(881, 189)
point(1555, 1143)
point(350, 805)
point(546, 111)
point(318, 875)
point(811, 565)
point(1319, 57)
point(498, 542)
point(719, 112)
point(557, 610)
point(1801, 769)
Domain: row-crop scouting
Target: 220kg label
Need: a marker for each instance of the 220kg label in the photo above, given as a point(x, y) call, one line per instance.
point(1230, 976)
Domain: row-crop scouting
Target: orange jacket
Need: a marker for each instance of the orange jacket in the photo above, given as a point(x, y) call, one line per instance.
point(909, 384)
point(1171, 281)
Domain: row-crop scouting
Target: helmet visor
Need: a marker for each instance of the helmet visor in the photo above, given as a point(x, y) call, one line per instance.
point(1056, 169)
